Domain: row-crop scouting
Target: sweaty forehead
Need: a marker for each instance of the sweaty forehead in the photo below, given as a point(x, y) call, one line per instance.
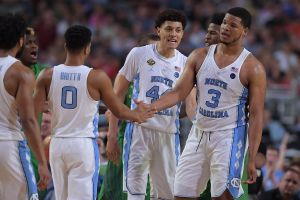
point(233, 19)
point(172, 24)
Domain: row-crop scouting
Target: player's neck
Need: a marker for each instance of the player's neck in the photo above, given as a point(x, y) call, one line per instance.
point(3, 53)
point(231, 49)
point(74, 60)
point(12, 52)
point(165, 52)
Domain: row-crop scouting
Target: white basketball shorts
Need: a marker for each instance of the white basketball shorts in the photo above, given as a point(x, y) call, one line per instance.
point(17, 176)
point(218, 156)
point(75, 168)
point(149, 151)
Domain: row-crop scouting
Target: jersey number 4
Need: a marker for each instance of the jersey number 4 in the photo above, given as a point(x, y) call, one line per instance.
point(69, 97)
point(153, 93)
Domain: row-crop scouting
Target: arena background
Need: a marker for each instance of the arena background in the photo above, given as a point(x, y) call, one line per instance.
point(116, 25)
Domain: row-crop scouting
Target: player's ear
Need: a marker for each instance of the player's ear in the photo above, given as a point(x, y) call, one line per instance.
point(245, 32)
point(65, 46)
point(87, 49)
point(158, 30)
point(21, 42)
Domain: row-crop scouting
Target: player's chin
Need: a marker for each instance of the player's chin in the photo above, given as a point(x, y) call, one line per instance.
point(226, 42)
point(173, 45)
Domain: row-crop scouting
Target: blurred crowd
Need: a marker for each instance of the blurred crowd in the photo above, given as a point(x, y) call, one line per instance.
point(117, 25)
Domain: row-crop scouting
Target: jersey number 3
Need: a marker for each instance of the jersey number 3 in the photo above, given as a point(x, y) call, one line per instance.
point(69, 97)
point(214, 102)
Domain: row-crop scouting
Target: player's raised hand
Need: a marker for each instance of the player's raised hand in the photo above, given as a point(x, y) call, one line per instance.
point(143, 111)
point(44, 176)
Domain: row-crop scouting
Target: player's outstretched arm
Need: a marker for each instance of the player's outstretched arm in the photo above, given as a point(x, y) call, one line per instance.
point(183, 86)
point(256, 77)
point(29, 122)
point(121, 111)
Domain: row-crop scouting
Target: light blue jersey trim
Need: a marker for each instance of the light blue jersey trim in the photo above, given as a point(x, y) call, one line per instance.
point(177, 147)
point(136, 90)
point(97, 165)
point(95, 123)
point(127, 145)
point(241, 118)
point(25, 159)
point(237, 159)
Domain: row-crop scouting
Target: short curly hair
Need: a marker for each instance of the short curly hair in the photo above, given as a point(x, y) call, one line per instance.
point(12, 28)
point(77, 37)
point(172, 15)
point(243, 14)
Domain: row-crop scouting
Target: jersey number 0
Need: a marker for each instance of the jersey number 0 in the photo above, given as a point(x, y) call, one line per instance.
point(69, 97)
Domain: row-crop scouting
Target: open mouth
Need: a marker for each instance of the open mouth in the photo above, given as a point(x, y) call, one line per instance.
point(173, 41)
point(33, 55)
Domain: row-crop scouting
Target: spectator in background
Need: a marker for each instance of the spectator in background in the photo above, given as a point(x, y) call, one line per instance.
point(274, 127)
point(102, 141)
point(272, 171)
point(46, 125)
point(287, 188)
point(296, 166)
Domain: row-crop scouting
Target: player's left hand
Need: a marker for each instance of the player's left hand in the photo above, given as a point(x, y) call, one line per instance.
point(251, 172)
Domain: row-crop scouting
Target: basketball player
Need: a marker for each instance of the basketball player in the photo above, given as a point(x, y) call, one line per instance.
point(74, 91)
point(152, 147)
point(17, 120)
point(212, 37)
point(228, 77)
point(112, 187)
point(28, 56)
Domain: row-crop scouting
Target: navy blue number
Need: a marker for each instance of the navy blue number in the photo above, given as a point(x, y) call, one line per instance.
point(64, 95)
point(153, 93)
point(214, 102)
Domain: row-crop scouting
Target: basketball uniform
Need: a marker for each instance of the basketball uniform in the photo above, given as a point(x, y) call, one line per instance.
point(74, 154)
point(151, 147)
point(17, 177)
point(218, 139)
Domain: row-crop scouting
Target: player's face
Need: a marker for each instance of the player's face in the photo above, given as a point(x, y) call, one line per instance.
point(232, 29)
point(170, 34)
point(30, 51)
point(289, 183)
point(213, 34)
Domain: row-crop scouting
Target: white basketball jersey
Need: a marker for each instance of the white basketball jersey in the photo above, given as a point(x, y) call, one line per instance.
point(222, 98)
point(74, 112)
point(154, 75)
point(10, 127)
